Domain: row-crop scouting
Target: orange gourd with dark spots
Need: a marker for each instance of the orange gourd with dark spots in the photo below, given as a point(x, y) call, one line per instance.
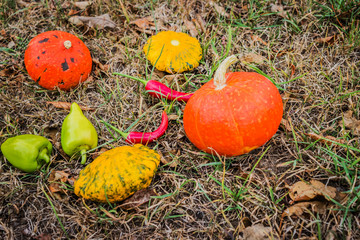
point(234, 113)
point(57, 59)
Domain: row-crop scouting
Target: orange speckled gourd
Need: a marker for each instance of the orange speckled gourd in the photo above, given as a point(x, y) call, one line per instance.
point(233, 113)
point(57, 59)
point(117, 173)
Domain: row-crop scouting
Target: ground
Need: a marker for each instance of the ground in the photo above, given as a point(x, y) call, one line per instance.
point(308, 49)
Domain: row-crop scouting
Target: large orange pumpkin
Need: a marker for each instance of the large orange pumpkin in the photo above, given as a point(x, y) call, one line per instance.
point(57, 59)
point(233, 113)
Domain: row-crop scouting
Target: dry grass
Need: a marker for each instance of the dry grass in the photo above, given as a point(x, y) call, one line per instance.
point(199, 196)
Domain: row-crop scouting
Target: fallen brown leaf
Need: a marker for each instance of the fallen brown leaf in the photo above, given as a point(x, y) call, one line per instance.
point(351, 123)
point(22, 3)
point(348, 119)
point(55, 180)
point(326, 139)
point(302, 191)
point(220, 10)
point(98, 64)
point(325, 39)
point(245, 7)
point(71, 181)
point(258, 232)
point(144, 23)
point(191, 27)
point(293, 68)
point(67, 105)
point(74, 12)
point(299, 208)
point(99, 22)
point(201, 22)
point(63, 105)
point(285, 125)
point(340, 196)
point(82, 5)
point(7, 72)
point(256, 38)
point(279, 9)
point(140, 197)
point(252, 58)
point(173, 117)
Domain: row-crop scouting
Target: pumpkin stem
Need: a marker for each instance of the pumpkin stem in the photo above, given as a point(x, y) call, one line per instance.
point(219, 77)
point(67, 44)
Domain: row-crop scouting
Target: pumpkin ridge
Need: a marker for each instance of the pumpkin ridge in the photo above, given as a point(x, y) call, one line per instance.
point(238, 135)
point(196, 126)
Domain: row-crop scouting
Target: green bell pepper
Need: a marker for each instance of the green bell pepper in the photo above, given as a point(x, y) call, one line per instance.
point(27, 152)
point(77, 133)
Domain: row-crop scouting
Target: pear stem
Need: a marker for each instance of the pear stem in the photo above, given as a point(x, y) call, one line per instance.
point(83, 156)
point(219, 77)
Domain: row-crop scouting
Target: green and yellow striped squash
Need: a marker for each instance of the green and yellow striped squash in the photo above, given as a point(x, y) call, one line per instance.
point(117, 173)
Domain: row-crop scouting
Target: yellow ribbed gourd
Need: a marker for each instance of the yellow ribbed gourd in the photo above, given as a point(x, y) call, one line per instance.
point(173, 52)
point(117, 173)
